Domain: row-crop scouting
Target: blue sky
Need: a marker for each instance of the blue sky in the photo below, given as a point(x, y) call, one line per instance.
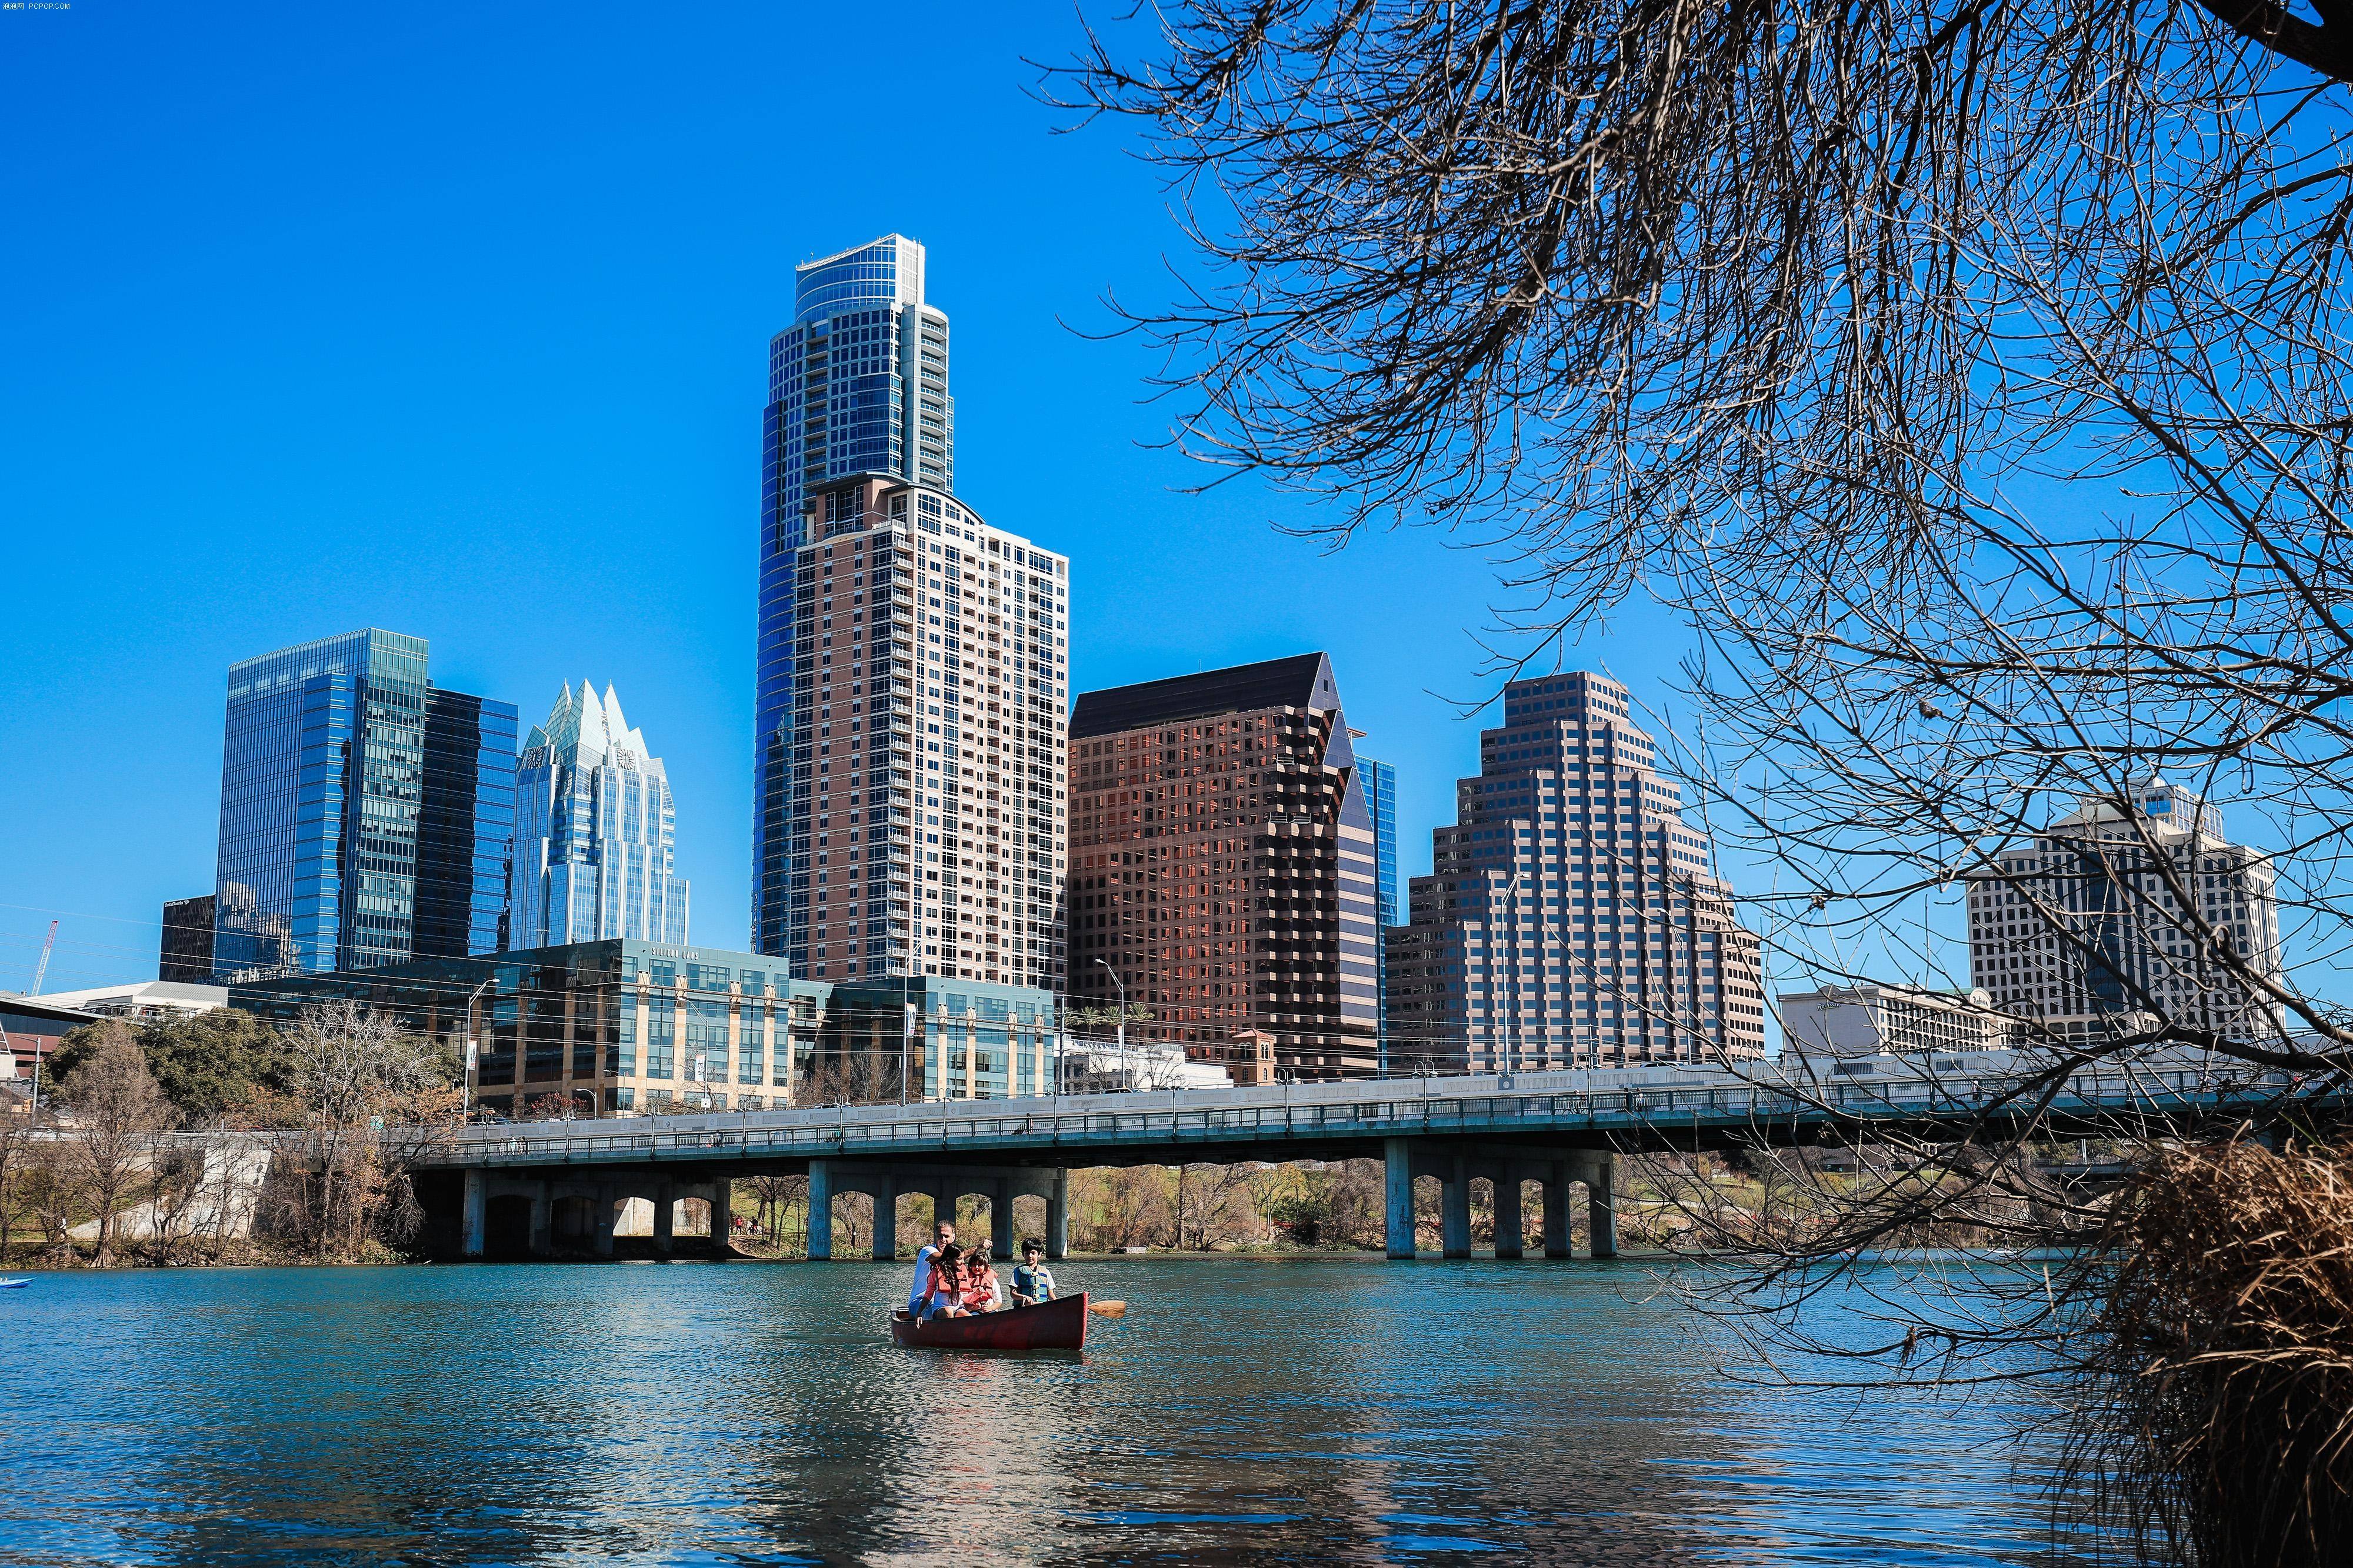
point(454, 321)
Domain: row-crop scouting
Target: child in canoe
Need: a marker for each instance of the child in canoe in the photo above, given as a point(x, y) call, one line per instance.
point(981, 1292)
point(943, 1291)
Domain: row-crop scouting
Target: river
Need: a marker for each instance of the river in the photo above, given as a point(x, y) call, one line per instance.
point(1338, 1410)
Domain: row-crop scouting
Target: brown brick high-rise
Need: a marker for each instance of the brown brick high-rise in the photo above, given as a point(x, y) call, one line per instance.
point(1222, 864)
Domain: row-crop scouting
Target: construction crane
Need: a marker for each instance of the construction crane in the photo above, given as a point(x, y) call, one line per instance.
point(41, 970)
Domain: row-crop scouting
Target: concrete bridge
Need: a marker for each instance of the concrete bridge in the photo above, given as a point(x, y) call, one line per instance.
point(1557, 1128)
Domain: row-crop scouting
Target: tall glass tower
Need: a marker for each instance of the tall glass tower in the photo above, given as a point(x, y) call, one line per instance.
point(857, 385)
point(366, 816)
point(596, 831)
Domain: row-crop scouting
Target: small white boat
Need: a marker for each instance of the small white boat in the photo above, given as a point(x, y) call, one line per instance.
point(14, 1284)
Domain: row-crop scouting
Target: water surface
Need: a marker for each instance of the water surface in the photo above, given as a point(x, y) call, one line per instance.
point(1338, 1410)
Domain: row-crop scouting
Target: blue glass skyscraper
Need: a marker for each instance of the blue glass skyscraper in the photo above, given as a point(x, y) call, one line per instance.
point(596, 831)
point(366, 817)
point(857, 385)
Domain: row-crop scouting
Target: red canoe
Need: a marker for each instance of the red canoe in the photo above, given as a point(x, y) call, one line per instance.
point(1057, 1325)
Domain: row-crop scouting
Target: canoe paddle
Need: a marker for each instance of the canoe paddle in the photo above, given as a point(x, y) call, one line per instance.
point(1108, 1308)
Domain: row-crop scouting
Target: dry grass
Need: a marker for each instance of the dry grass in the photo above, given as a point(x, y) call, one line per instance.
point(2219, 1421)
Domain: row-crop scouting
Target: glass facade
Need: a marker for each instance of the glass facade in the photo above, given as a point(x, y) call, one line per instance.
point(596, 831)
point(857, 383)
point(355, 799)
point(614, 1028)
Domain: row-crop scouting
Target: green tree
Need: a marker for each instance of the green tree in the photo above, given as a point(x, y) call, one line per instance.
point(207, 1066)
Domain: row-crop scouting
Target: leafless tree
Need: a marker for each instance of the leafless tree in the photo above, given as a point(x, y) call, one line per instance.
point(116, 1109)
point(369, 1098)
point(1971, 378)
point(1213, 1204)
point(852, 1078)
point(16, 1126)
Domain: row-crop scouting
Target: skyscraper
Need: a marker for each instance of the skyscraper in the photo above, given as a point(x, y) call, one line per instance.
point(596, 831)
point(2120, 909)
point(1223, 866)
point(366, 816)
point(1570, 918)
point(857, 385)
point(1380, 804)
point(928, 757)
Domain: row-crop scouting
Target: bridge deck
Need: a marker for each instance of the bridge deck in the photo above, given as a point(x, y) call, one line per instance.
point(1564, 1110)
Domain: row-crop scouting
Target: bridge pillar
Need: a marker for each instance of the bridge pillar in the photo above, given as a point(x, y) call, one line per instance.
point(820, 1211)
point(1602, 1209)
point(1057, 1216)
point(1555, 1209)
point(542, 1220)
point(601, 1232)
point(1508, 1223)
point(886, 1219)
point(1454, 1210)
point(723, 1216)
point(1397, 1175)
point(1001, 1221)
point(477, 1210)
point(665, 1216)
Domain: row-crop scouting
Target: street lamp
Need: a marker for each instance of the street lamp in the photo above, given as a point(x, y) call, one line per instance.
point(1116, 980)
point(474, 1054)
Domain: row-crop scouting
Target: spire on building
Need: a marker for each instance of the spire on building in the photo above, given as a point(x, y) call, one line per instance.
point(595, 830)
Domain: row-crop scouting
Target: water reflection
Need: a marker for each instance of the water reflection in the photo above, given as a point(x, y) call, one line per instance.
point(1248, 1410)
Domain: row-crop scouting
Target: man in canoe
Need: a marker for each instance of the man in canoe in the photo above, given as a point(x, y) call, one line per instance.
point(943, 1235)
point(1032, 1282)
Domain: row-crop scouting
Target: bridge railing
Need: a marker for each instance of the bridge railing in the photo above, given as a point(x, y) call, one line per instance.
point(1660, 1109)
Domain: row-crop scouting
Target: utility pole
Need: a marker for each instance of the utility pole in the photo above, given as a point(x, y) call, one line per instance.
point(906, 1036)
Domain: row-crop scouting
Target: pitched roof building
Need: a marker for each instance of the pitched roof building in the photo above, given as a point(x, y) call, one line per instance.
point(1222, 868)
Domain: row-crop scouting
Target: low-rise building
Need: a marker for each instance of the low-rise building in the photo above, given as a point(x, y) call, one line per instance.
point(1871, 1019)
point(30, 1031)
point(141, 999)
point(622, 1028)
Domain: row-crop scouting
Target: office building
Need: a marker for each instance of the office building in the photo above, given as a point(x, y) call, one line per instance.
point(1380, 804)
point(2120, 911)
point(1870, 1020)
point(596, 831)
point(621, 1028)
point(187, 958)
point(1223, 867)
point(858, 385)
point(929, 753)
point(366, 816)
point(1570, 918)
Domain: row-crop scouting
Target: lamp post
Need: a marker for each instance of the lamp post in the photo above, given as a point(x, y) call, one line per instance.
point(474, 1054)
point(1122, 1025)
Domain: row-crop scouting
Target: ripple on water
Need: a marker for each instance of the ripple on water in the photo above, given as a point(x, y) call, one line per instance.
point(1340, 1410)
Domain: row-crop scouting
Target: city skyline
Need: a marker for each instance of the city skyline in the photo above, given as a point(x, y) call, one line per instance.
point(611, 359)
point(581, 381)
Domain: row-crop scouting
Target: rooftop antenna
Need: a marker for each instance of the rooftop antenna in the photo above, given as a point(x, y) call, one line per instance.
point(41, 970)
